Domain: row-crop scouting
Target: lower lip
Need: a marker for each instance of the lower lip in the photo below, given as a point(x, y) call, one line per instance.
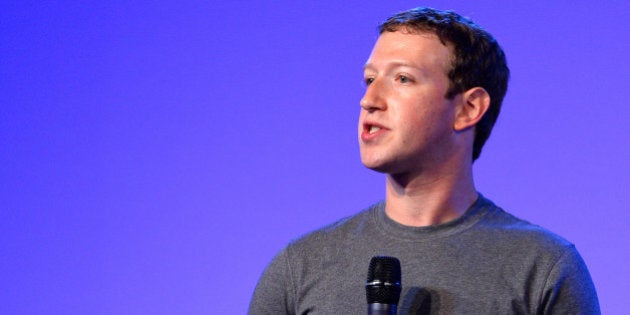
point(367, 136)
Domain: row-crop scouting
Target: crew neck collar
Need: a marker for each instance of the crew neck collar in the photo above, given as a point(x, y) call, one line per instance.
point(391, 228)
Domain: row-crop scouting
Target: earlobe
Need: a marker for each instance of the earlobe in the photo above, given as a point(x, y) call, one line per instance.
point(474, 104)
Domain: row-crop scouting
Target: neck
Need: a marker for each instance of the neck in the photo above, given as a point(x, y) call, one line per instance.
point(431, 197)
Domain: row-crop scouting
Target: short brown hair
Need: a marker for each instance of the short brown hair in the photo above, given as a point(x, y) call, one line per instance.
point(478, 59)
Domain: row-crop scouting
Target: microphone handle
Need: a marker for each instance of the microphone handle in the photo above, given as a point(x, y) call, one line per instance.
point(381, 309)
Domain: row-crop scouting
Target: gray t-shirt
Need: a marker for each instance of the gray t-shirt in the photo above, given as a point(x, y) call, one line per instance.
point(485, 262)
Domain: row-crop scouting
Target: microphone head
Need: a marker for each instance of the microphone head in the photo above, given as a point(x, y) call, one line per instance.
point(383, 281)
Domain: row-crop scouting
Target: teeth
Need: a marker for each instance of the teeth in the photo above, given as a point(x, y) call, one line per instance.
point(374, 129)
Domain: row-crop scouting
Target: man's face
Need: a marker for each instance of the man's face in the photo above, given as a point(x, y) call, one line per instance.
point(406, 123)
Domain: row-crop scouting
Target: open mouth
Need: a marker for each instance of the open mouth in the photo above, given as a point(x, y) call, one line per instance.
point(372, 129)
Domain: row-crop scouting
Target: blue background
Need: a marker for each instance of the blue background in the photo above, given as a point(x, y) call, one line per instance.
point(155, 156)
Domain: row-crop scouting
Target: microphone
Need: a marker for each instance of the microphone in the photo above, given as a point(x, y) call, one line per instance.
point(383, 285)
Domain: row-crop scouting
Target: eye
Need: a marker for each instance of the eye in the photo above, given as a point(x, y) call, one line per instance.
point(368, 81)
point(404, 79)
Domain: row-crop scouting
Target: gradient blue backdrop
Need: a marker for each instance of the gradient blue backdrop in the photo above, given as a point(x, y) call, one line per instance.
point(155, 156)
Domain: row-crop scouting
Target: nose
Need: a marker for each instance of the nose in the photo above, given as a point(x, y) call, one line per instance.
point(374, 99)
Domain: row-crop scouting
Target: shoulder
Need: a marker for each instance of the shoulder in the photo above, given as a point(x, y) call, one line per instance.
point(529, 251)
point(507, 228)
point(517, 243)
point(332, 235)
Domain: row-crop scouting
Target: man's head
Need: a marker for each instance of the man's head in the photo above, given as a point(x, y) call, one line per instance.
point(478, 59)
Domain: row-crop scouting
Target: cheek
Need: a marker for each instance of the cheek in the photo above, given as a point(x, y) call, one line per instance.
point(426, 125)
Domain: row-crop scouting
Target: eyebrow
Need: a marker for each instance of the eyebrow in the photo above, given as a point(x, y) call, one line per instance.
point(396, 64)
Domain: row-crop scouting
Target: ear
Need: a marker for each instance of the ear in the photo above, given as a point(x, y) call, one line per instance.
point(474, 103)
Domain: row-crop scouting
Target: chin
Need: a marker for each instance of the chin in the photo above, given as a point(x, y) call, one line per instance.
point(377, 169)
point(377, 166)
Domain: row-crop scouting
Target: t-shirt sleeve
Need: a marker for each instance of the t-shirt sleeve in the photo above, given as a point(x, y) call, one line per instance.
point(274, 293)
point(569, 288)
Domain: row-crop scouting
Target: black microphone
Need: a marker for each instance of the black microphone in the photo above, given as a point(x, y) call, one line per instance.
point(383, 285)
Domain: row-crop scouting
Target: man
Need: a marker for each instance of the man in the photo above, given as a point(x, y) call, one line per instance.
point(435, 83)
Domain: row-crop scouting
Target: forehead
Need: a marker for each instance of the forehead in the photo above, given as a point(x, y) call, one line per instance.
point(420, 49)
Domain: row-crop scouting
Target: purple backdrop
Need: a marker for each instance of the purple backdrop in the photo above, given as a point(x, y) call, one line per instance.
point(156, 156)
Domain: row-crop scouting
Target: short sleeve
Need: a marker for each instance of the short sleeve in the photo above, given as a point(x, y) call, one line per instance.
point(569, 288)
point(274, 293)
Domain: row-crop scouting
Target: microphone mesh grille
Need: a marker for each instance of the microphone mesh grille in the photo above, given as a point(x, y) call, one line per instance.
point(383, 280)
point(385, 269)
